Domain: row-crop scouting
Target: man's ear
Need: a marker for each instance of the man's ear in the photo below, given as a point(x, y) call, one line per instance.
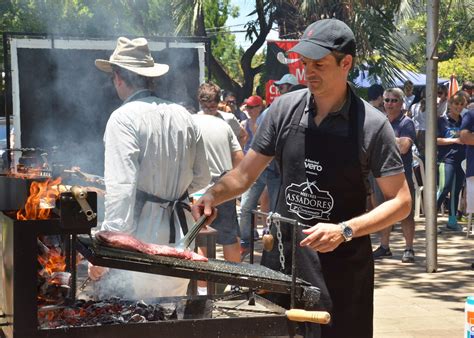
point(118, 79)
point(347, 62)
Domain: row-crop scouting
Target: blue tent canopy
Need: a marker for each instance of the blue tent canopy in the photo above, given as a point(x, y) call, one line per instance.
point(418, 79)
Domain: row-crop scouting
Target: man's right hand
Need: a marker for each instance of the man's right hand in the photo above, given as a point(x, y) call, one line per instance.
point(205, 206)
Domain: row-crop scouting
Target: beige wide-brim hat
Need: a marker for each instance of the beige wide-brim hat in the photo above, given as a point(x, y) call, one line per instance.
point(133, 55)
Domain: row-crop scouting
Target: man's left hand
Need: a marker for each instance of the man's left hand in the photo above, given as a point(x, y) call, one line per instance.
point(323, 237)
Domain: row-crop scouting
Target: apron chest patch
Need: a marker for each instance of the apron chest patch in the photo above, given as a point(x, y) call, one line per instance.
point(308, 201)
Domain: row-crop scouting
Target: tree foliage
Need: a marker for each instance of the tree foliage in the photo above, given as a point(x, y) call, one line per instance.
point(462, 65)
point(455, 26)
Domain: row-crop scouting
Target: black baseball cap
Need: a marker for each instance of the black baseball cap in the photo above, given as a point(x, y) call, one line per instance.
point(324, 36)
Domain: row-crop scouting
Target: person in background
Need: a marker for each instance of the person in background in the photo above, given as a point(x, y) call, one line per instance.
point(269, 178)
point(418, 114)
point(467, 98)
point(154, 157)
point(467, 138)
point(467, 86)
point(409, 96)
point(232, 107)
point(404, 129)
point(285, 84)
point(375, 96)
point(223, 153)
point(209, 98)
point(451, 152)
point(442, 102)
point(335, 253)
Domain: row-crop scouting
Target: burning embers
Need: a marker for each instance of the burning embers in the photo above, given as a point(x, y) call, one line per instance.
point(111, 311)
point(53, 280)
point(41, 200)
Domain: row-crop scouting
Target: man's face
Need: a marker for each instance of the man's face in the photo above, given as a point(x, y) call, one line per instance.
point(323, 74)
point(392, 104)
point(231, 102)
point(209, 107)
point(254, 111)
point(456, 106)
point(378, 103)
point(119, 86)
point(284, 88)
point(442, 95)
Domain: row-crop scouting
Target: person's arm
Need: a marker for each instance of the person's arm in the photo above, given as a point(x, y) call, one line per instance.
point(201, 174)
point(407, 136)
point(448, 141)
point(232, 184)
point(237, 157)
point(467, 125)
point(325, 237)
point(243, 136)
point(120, 173)
point(467, 137)
point(404, 144)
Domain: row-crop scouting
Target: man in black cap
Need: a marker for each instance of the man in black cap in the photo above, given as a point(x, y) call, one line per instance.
point(326, 140)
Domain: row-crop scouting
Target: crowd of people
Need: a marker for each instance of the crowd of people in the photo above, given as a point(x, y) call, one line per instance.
point(407, 115)
point(318, 152)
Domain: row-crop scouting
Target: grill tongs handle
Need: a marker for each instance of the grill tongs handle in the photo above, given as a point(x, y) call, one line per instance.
point(186, 241)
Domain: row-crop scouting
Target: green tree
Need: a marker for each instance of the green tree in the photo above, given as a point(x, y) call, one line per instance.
point(462, 65)
point(455, 26)
point(223, 44)
point(192, 20)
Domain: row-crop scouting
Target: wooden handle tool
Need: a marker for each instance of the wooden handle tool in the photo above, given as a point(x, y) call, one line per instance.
point(318, 317)
point(268, 242)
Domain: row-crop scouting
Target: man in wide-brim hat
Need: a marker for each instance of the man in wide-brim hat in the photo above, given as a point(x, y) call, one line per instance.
point(154, 157)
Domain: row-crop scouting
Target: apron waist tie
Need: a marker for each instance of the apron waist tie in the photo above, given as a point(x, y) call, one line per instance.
point(176, 206)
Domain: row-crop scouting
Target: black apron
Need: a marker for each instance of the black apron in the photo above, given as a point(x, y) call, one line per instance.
point(322, 181)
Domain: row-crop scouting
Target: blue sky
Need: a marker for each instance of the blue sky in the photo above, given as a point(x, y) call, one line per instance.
point(237, 24)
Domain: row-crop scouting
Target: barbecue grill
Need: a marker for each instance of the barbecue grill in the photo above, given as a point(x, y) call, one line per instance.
point(234, 315)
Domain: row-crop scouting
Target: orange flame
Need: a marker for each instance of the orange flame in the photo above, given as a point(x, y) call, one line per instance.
point(55, 262)
point(40, 192)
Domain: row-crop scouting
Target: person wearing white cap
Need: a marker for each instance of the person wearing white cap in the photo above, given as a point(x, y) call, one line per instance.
point(154, 157)
point(326, 141)
point(286, 82)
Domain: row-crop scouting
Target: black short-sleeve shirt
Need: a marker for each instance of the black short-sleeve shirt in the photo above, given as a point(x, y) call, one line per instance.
point(378, 152)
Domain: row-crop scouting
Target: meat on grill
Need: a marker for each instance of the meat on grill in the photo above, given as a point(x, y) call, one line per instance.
point(123, 241)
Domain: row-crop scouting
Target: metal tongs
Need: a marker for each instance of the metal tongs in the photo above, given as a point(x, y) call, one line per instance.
point(86, 177)
point(186, 241)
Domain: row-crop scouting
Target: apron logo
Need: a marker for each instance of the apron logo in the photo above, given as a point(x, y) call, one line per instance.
point(308, 202)
point(312, 167)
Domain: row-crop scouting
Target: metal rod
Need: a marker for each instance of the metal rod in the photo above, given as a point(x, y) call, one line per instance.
point(67, 251)
point(73, 268)
point(293, 269)
point(252, 243)
point(429, 194)
point(7, 95)
point(277, 217)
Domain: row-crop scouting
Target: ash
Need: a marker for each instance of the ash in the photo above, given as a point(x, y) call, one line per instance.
point(104, 312)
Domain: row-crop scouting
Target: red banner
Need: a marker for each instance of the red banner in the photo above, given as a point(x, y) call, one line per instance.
point(278, 63)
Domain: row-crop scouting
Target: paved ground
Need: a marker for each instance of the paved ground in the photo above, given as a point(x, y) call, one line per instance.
point(409, 302)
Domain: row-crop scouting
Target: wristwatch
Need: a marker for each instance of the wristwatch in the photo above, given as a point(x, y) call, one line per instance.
point(346, 231)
